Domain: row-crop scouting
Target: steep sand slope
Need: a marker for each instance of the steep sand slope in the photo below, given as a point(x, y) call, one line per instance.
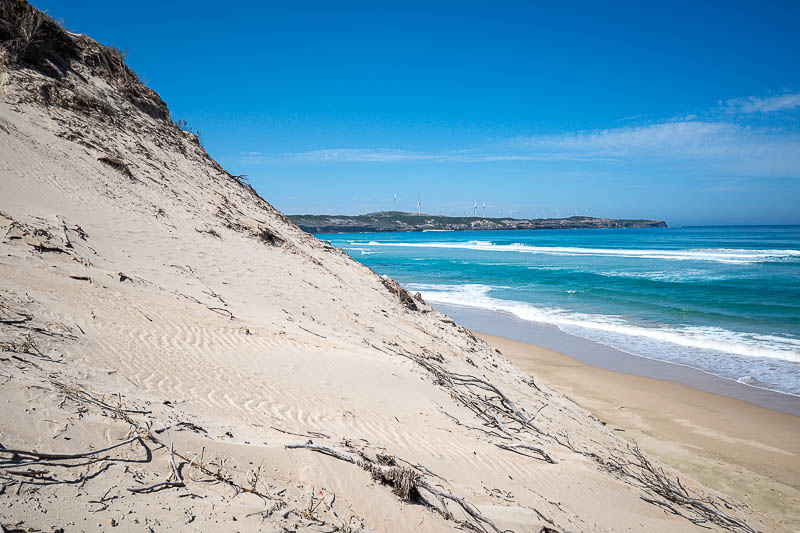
point(149, 297)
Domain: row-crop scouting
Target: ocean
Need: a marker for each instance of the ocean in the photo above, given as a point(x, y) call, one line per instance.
point(725, 300)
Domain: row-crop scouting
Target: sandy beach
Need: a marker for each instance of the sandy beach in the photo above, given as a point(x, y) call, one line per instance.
point(747, 451)
point(177, 355)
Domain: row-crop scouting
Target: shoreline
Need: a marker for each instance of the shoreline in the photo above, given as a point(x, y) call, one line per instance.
point(508, 326)
point(748, 452)
point(729, 444)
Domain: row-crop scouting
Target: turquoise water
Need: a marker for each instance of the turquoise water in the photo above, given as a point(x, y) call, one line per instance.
point(725, 300)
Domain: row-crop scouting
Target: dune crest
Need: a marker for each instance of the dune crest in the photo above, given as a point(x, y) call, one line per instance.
point(177, 354)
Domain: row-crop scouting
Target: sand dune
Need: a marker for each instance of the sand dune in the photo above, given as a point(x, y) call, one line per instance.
point(147, 295)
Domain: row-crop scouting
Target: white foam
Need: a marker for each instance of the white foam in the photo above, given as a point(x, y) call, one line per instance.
point(667, 276)
point(605, 326)
point(362, 250)
point(721, 255)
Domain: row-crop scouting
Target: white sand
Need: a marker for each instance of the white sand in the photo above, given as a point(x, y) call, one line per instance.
point(190, 317)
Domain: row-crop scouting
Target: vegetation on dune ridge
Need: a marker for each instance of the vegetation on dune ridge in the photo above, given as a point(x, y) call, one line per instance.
point(31, 39)
point(53, 66)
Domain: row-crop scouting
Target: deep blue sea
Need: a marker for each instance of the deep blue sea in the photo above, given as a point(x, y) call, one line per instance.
point(725, 300)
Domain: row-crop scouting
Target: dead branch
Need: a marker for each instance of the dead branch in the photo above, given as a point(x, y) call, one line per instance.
point(67, 456)
point(175, 479)
point(470, 509)
point(471, 392)
point(68, 243)
point(221, 310)
point(405, 483)
point(323, 449)
point(311, 434)
point(84, 396)
point(497, 411)
point(15, 321)
point(102, 502)
point(44, 248)
point(515, 447)
point(309, 331)
point(635, 466)
point(145, 433)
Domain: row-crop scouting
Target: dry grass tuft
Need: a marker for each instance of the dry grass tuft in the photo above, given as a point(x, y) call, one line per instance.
point(31, 38)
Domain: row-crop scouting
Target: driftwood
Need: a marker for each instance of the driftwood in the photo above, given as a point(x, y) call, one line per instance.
point(495, 409)
point(324, 450)
point(515, 447)
point(64, 456)
point(311, 434)
point(672, 492)
point(406, 484)
point(501, 414)
point(223, 311)
point(309, 331)
point(141, 432)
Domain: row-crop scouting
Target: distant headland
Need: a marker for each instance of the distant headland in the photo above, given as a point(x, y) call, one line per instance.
point(387, 221)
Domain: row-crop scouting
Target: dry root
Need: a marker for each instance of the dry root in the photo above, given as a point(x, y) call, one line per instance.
point(406, 483)
point(675, 498)
point(504, 418)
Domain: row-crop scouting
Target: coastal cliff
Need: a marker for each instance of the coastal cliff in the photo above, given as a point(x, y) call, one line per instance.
point(389, 221)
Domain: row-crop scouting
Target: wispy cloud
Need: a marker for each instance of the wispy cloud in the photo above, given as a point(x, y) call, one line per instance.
point(711, 145)
point(365, 155)
point(343, 155)
point(676, 137)
point(719, 146)
point(354, 155)
point(770, 104)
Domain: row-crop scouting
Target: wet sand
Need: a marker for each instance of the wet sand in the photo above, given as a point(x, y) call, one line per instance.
point(597, 355)
point(747, 451)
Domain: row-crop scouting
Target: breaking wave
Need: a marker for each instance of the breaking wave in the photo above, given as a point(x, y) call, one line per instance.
point(721, 255)
point(617, 332)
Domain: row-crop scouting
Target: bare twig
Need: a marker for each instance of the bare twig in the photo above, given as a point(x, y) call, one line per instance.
point(667, 493)
point(311, 434)
point(514, 447)
point(175, 479)
point(323, 449)
point(309, 331)
point(65, 456)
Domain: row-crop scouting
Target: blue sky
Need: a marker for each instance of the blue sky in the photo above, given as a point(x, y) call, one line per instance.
point(683, 111)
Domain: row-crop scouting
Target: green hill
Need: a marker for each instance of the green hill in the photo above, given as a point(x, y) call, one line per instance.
point(387, 221)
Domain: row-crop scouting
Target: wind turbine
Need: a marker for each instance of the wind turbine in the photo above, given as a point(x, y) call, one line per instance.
point(484, 209)
point(419, 205)
point(394, 206)
point(475, 209)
